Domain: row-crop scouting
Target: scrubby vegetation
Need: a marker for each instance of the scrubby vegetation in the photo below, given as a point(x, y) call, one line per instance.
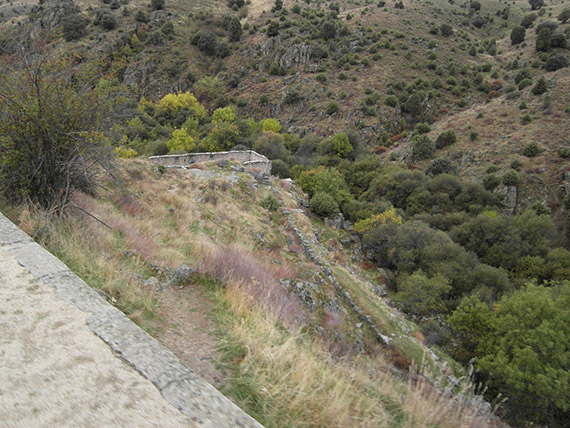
point(441, 139)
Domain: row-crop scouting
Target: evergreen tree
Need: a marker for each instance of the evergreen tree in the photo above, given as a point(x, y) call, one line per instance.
point(517, 35)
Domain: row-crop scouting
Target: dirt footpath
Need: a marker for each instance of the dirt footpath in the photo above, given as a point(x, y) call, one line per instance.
point(70, 359)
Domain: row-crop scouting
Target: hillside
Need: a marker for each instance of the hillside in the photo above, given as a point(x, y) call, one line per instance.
point(271, 308)
point(417, 216)
point(369, 53)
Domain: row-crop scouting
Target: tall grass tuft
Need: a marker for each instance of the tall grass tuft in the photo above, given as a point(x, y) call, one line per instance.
point(240, 268)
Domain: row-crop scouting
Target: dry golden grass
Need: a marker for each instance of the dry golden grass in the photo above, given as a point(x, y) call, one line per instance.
point(301, 385)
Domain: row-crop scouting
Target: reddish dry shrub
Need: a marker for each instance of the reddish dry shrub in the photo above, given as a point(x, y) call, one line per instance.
point(331, 320)
point(395, 138)
point(142, 245)
point(380, 149)
point(240, 267)
point(418, 335)
point(400, 361)
point(496, 85)
point(199, 166)
point(126, 202)
point(136, 242)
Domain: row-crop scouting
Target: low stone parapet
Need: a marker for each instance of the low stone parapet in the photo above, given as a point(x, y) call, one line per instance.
point(248, 158)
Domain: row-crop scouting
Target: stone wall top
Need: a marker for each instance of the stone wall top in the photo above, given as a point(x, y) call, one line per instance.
point(245, 157)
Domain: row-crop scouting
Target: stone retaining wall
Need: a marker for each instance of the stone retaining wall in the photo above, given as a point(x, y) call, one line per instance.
point(248, 158)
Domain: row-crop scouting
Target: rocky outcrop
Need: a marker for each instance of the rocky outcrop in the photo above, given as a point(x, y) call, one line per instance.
point(49, 14)
point(274, 51)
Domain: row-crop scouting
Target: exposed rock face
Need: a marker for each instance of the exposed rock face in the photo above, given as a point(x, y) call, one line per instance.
point(161, 17)
point(141, 75)
point(181, 276)
point(50, 14)
point(295, 55)
point(299, 54)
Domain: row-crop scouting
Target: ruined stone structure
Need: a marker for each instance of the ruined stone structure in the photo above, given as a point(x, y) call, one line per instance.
point(248, 158)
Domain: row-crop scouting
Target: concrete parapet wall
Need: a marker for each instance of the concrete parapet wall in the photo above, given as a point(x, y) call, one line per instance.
point(248, 158)
point(199, 403)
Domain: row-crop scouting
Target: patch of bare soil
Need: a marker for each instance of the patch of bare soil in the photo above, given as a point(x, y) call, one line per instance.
point(187, 331)
point(257, 7)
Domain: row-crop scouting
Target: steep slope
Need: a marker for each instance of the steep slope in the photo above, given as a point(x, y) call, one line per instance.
point(280, 286)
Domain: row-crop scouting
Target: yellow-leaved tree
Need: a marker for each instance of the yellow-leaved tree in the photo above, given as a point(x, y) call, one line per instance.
point(180, 141)
point(270, 124)
point(172, 104)
point(388, 216)
point(224, 114)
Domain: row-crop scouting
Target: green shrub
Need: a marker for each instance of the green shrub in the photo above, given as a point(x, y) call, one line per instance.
point(564, 15)
point(531, 150)
point(517, 35)
point(157, 148)
point(280, 169)
point(419, 294)
point(511, 178)
point(516, 164)
point(555, 62)
point(207, 42)
point(543, 40)
point(546, 25)
point(74, 27)
point(416, 103)
point(558, 41)
point(105, 19)
point(491, 181)
point(391, 101)
point(446, 30)
point(270, 203)
point(540, 87)
point(141, 16)
point(564, 152)
point(440, 166)
point(332, 108)
point(323, 204)
point(445, 139)
point(321, 78)
point(528, 20)
point(525, 73)
point(341, 145)
point(157, 4)
point(272, 29)
point(293, 96)
point(422, 147)
point(422, 128)
point(524, 84)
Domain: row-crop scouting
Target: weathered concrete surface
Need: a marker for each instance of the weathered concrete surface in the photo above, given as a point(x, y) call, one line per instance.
point(56, 371)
